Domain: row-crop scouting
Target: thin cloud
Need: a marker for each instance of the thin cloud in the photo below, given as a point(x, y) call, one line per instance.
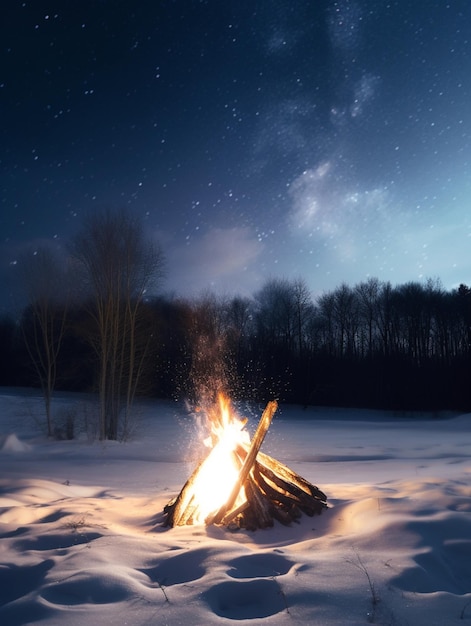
point(325, 209)
point(321, 204)
point(218, 260)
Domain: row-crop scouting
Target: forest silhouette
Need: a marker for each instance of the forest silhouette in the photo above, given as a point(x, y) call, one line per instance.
point(404, 347)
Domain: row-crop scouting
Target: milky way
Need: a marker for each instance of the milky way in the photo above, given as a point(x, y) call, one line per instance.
point(324, 140)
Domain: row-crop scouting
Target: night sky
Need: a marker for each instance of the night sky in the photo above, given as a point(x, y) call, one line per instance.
point(257, 139)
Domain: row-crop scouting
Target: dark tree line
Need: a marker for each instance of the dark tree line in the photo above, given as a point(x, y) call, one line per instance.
point(368, 345)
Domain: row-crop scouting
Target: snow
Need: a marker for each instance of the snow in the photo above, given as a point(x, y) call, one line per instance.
point(82, 540)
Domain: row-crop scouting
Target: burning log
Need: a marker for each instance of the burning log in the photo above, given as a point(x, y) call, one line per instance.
point(256, 489)
point(247, 465)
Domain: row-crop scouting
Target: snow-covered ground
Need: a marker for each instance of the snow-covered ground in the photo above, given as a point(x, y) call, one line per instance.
point(82, 541)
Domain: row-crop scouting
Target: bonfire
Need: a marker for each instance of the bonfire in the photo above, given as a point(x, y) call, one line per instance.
point(238, 486)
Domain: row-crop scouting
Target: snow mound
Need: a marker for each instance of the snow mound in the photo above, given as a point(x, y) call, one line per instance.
point(11, 443)
point(82, 539)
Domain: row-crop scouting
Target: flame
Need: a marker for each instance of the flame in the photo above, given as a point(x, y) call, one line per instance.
point(219, 471)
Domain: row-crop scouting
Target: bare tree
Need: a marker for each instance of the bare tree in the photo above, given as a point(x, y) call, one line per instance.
point(43, 278)
point(339, 314)
point(304, 309)
point(117, 266)
point(276, 314)
point(238, 316)
point(368, 295)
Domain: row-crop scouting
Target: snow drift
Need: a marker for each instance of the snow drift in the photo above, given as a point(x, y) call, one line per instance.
point(82, 539)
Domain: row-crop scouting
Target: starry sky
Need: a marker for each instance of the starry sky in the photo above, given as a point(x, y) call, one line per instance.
point(324, 140)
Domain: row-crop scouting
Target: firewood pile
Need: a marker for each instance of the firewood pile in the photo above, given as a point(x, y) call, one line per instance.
point(264, 490)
